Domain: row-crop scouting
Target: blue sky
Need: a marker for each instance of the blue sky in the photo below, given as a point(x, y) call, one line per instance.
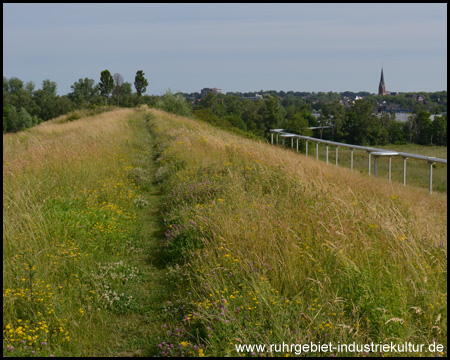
point(234, 47)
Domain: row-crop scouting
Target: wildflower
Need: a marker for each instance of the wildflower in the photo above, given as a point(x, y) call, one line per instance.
point(11, 348)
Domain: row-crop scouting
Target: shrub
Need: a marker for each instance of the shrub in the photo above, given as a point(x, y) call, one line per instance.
point(174, 104)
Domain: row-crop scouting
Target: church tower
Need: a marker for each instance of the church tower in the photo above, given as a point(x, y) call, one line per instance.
point(382, 86)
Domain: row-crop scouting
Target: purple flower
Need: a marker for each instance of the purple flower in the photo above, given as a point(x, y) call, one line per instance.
point(11, 348)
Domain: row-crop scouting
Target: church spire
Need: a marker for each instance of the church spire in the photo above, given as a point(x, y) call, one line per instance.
point(382, 86)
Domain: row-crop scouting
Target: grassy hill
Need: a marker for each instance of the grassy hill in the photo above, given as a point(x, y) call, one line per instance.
point(220, 241)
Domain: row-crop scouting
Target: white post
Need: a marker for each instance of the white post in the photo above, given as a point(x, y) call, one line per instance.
point(431, 177)
point(271, 138)
point(351, 159)
point(317, 150)
point(327, 154)
point(375, 167)
point(337, 147)
point(306, 147)
point(297, 144)
point(404, 171)
point(369, 164)
point(390, 166)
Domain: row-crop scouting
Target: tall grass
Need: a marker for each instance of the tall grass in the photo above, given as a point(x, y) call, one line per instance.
point(274, 247)
point(261, 245)
point(71, 240)
point(417, 171)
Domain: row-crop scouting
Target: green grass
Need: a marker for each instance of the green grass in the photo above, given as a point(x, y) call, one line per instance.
point(417, 171)
point(140, 233)
point(79, 239)
point(278, 248)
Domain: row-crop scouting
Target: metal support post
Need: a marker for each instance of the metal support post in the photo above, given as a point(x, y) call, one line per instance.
point(306, 147)
point(351, 159)
point(375, 166)
point(404, 170)
point(390, 167)
point(297, 144)
point(327, 154)
point(369, 164)
point(337, 147)
point(317, 150)
point(431, 176)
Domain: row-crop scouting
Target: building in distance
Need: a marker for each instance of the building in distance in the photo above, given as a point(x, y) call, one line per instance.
point(382, 85)
point(253, 98)
point(206, 91)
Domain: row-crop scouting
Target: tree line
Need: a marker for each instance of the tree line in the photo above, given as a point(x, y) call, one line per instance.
point(350, 121)
point(356, 122)
point(24, 106)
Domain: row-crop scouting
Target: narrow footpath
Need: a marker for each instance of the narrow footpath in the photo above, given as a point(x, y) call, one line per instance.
point(138, 334)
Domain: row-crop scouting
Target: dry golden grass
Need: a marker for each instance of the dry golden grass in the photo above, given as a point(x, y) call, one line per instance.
point(68, 209)
point(49, 141)
point(343, 185)
point(301, 236)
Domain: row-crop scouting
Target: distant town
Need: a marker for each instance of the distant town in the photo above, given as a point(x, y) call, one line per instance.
point(364, 118)
point(401, 104)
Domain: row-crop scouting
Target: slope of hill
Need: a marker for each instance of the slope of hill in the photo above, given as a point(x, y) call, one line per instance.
point(139, 232)
point(279, 248)
point(79, 218)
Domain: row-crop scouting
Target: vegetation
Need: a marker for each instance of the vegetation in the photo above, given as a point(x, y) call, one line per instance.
point(140, 83)
point(368, 121)
point(155, 234)
point(274, 247)
point(77, 236)
point(174, 104)
point(106, 84)
point(417, 171)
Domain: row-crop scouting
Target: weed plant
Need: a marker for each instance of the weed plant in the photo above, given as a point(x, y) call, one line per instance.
point(72, 278)
point(417, 171)
point(274, 247)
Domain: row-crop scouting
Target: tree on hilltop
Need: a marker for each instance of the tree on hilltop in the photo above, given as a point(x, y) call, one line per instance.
point(118, 81)
point(140, 82)
point(84, 91)
point(106, 84)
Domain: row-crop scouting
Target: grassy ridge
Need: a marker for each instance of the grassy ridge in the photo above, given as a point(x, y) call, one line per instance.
point(261, 245)
point(275, 247)
point(76, 275)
